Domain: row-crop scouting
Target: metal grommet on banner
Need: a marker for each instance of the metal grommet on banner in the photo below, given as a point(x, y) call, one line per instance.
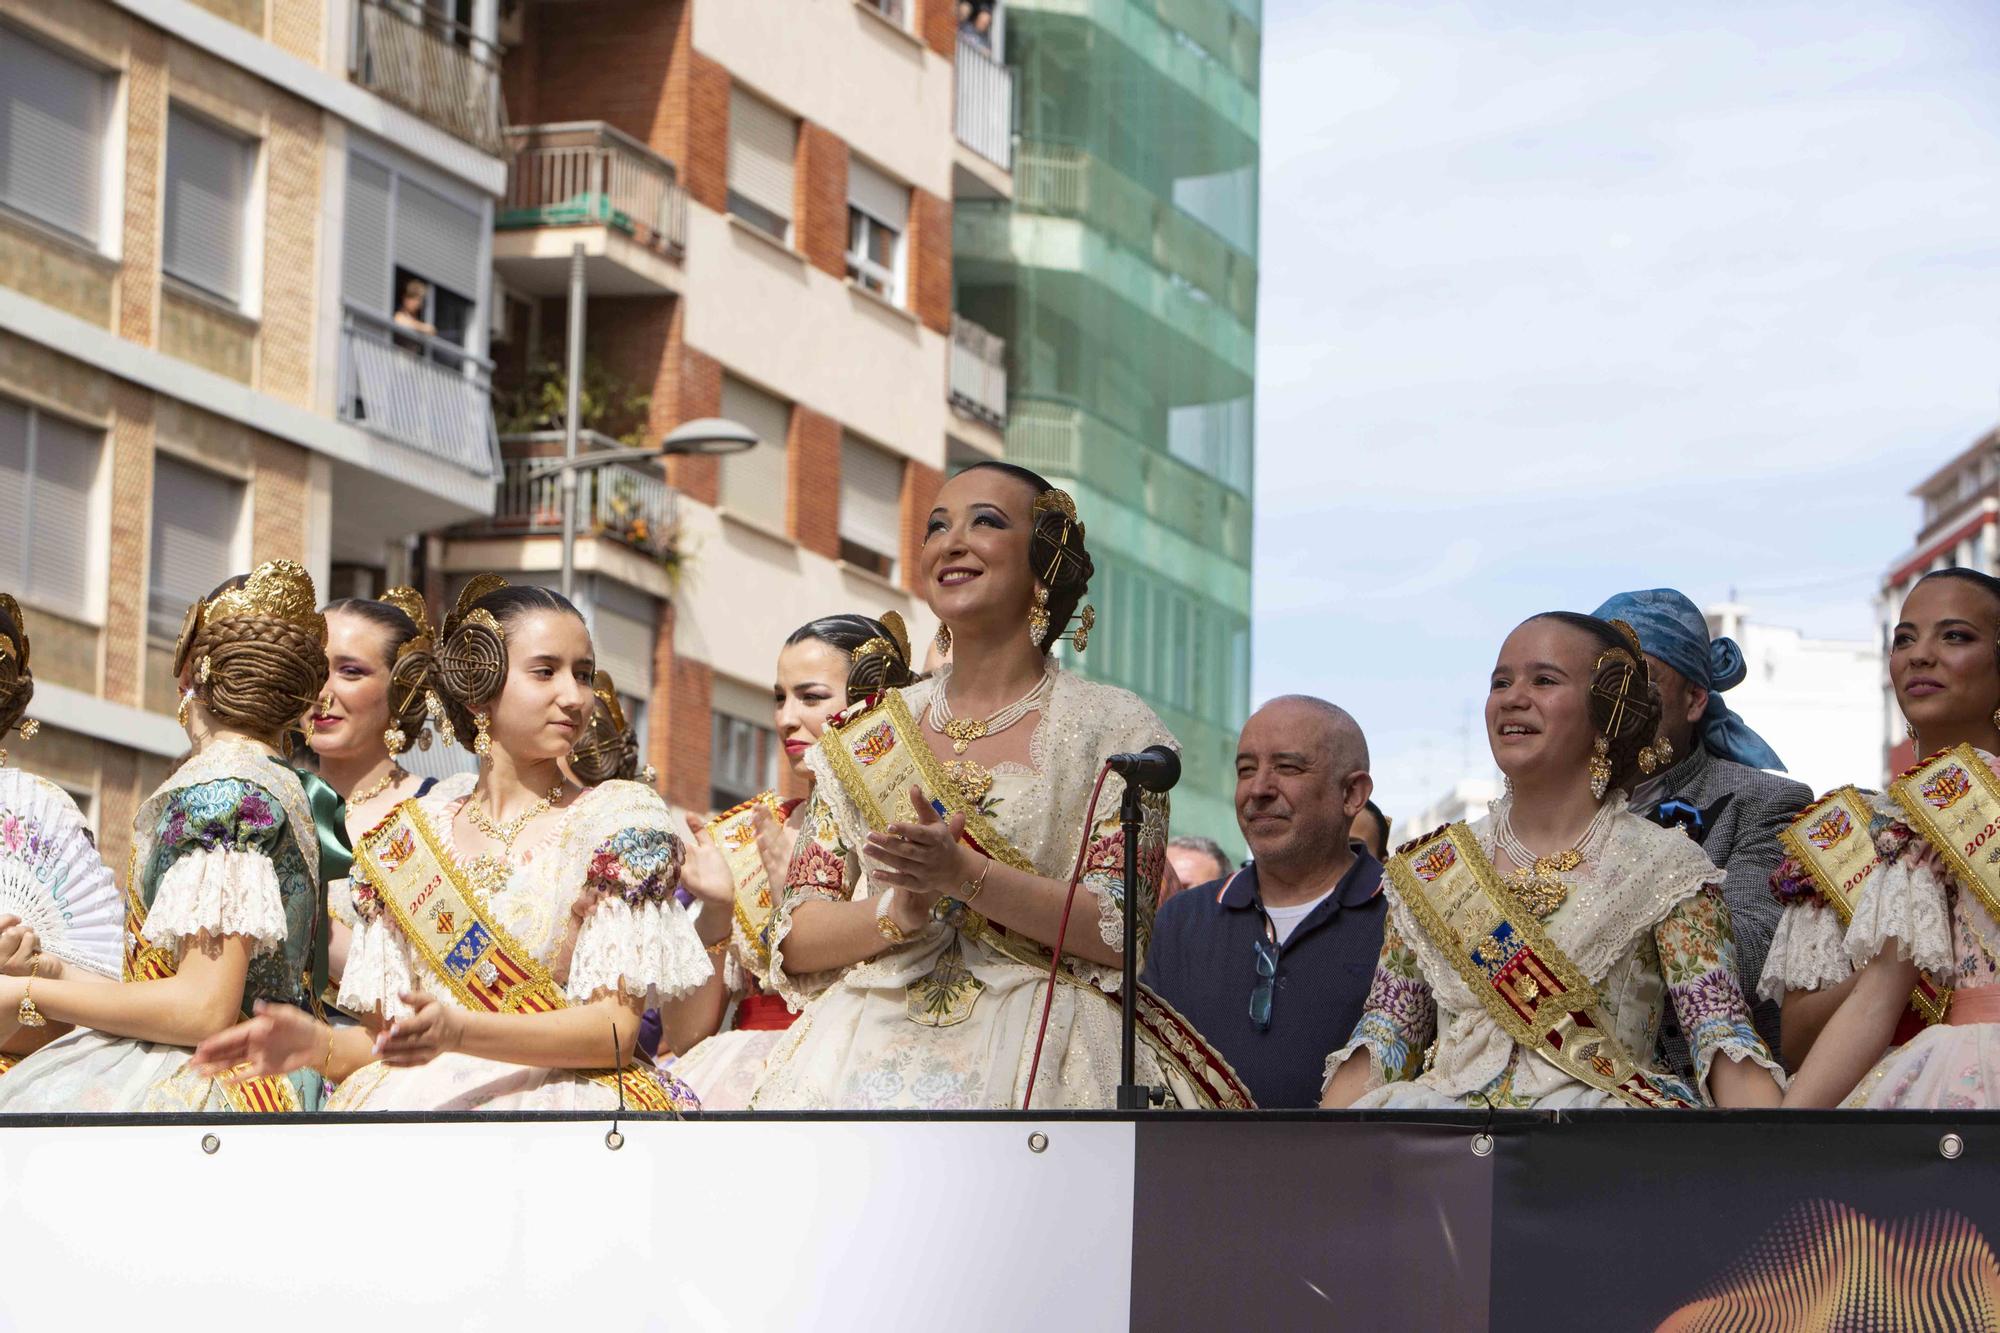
point(1482, 1145)
point(614, 1140)
point(1951, 1147)
point(1038, 1142)
point(210, 1144)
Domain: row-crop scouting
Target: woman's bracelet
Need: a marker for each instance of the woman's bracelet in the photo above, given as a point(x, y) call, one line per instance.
point(975, 885)
point(326, 1065)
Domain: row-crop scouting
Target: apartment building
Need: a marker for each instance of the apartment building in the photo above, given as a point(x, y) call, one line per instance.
point(208, 213)
point(1123, 276)
point(762, 196)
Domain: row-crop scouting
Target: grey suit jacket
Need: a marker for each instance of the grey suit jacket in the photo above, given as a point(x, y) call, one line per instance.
point(1744, 809)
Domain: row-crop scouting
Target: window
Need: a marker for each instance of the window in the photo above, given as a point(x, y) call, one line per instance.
point(48, 474)
point(763, 142)
point(753, 482)
point(741, 758)
point(878, 213)
point(196, 515)
point(871, 506)
point(410, 253)
point(622, 634)
point(208, 192)
point(53, 112)
point(896, 11)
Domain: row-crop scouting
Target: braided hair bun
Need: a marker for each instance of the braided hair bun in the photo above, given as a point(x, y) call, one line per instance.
point(608, 747)
point(257, 649)
point(471, 663)
point(17, 685)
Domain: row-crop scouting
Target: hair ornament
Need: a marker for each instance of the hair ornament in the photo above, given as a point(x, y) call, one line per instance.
point(277, 589)
point(880, 663)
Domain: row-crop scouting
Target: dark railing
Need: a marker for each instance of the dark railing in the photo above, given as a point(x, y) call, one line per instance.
point(432, 66)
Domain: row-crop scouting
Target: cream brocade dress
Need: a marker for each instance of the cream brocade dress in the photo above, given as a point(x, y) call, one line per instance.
point(617, 839)
point(857, 1044)
point(1645, 923)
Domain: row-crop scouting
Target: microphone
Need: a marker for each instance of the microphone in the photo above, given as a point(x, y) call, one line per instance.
point(1156, 768)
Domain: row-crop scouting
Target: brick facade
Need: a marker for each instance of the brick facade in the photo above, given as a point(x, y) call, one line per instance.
point(705, 161)
point(131, 443)
point(930, 260)
point(937, 24)
point(279, 498)
point(921, 484)
point(812, 491)
point(698, 394)
point(145, 154)
point(682, 729)
point(819, 210)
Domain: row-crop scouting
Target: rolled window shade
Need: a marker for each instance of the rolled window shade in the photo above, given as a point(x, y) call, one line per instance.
point(364, 265)
point(14, 481)
point(208, 183)
point(622, 636)
point(52, 117)
point(66, 459)
point(762, 144)
point(436, 239)
point(195, 516)
point(753, 481)
point(877, 195)
point(871, 496)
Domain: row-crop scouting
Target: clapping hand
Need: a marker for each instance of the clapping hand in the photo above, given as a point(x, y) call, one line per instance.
point(705, 872)
point(774, 846)
point(431, 1028)
point(275, 1041)
point(925, 858)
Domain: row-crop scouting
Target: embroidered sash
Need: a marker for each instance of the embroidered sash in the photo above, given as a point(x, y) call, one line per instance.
point(735, 832)
point(483, 966)
point(1953, 800)
point(1830, 839)
point(1522, 980)
point(876, 757)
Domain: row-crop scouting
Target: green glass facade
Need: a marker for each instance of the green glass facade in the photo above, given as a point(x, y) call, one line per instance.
point(1123, 275)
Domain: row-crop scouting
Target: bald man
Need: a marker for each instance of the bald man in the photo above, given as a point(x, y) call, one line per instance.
point(1272, 964)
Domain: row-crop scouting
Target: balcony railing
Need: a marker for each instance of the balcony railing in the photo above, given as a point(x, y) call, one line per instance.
point(628, 504)
point(979, 372)
point(985, 117)
point(587, 172)
point(419, 391)
point(428, 64)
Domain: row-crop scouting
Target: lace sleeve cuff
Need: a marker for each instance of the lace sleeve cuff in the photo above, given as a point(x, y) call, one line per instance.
point(217, 893)
point(650, 950)
point(1807, 951)
point(1905, 902)
point(378, 969)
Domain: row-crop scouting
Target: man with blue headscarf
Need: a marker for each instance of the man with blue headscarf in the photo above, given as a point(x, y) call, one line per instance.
point(1714, 784)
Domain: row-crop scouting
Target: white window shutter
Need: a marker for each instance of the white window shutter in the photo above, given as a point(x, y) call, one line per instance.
point(878, 196)
point(762, 144)
point(364, 278)
point(52, 115)
point(871, 497)
point(66, 460)
point(622, 635)
point(753, 482)
point(437, 239)
point(208, 186)
point(195, 516)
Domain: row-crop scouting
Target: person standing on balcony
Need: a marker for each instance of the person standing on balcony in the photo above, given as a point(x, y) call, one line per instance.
point(924, 906)
point(826, 665)
point(410, 313)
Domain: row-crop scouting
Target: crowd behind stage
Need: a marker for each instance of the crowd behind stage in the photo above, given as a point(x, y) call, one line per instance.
point(1651, 916)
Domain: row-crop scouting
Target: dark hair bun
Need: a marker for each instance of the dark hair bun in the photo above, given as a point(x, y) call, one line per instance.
point(17, 685)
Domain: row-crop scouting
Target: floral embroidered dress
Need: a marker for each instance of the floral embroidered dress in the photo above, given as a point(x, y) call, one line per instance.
point(865, 1040)
point(1644, 921)
point(226, 846)
point(616, 841)
point(1914, 899)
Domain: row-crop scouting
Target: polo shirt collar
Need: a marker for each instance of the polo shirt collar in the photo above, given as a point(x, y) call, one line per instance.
point(1360, 884)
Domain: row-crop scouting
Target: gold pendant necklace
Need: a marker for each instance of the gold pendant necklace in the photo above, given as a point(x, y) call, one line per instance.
point(506, 833)
point(389, 780)
point(963, 731)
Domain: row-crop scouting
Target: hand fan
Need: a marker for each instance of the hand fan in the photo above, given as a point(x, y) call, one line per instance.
point(52, 877)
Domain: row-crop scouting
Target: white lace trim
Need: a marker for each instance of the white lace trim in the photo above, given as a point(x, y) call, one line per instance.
point(1704, 1061)
point(651, 950)
point(218, 893)
point(379, 969)
point(1904, 901)
point(1808, 952)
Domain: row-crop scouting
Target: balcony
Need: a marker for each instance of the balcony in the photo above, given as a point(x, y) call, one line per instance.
point(421, 392)
point(978, 372)
point(431, 66)
point(585, 182)
point(984, 118)
point(621, 502)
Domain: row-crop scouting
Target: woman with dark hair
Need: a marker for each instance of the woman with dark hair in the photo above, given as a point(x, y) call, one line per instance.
point(226, 905)
point(465, 903)
point(924, 906)
point(825, 666)
point(1891, 932)
point(1528, 958)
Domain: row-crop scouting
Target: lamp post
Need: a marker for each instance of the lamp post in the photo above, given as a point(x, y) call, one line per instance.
point(705, 437)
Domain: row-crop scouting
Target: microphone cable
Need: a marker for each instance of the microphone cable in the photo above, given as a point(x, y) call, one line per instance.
point(1062, 931)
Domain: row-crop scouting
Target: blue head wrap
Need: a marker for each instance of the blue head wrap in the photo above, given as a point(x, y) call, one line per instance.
point(1671, 628)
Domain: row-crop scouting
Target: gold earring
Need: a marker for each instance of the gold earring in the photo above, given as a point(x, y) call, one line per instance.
point(943, 639)
point(395, 740)
point(482, 740)
point(1996, 722)
point(1038, 617)
point(1910, 730)
point(1656, 756)
point(1600, 767)
point(29, 727)
point(181, 713)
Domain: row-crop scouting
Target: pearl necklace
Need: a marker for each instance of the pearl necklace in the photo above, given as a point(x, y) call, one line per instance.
point(964, 731)
point(1537, 878)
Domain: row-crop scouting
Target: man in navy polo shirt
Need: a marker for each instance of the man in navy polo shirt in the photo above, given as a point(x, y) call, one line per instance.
point(1272, 964)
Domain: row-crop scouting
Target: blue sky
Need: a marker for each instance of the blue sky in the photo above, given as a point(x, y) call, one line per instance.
point(1564, 298)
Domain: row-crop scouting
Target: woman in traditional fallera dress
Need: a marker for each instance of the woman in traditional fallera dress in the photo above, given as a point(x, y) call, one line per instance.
point(826, 665)
point(1924, 931)
point(1559, 898)
point(226, 898)
point(921, 942)
point(465, 903)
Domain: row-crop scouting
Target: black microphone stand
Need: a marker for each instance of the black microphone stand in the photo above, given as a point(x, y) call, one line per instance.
point(1131, 814)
